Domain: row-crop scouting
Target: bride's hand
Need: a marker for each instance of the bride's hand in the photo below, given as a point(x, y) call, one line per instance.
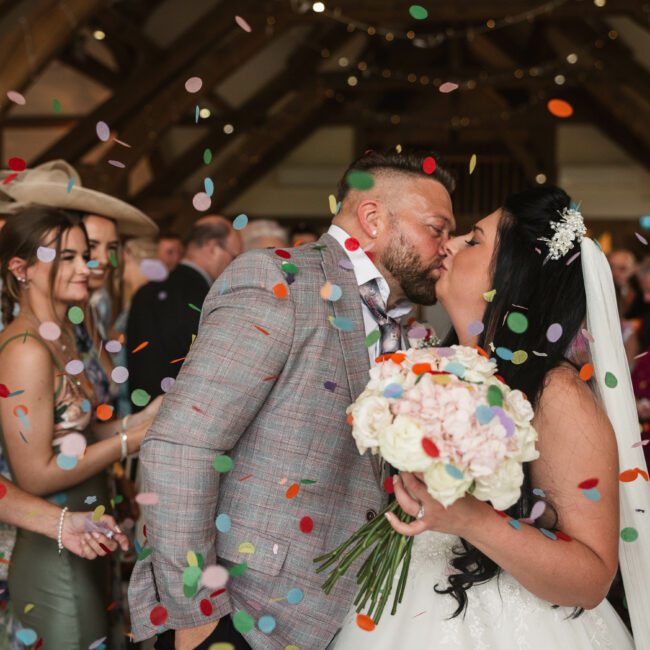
point(411, 493)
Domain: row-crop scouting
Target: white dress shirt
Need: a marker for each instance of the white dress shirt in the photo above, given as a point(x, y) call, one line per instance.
point(364, 271)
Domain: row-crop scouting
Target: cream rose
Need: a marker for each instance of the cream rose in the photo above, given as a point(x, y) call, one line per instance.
point(371, 414)
point(401, 445)
point(477, 367)
point(502, 487)
point(519, 408)
point(442, 486)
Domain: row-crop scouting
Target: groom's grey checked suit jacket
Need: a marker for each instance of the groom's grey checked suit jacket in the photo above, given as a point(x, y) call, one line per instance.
point(261, 399)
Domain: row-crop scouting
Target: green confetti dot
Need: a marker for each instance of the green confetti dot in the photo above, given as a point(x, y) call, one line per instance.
point(418, 12)
point(145, 553)
point(517, 322)
point(118, 499)
point(222, 463)
point(629, 534)
point(191, 576)
point(238, 570)
point(76, 315)
point(359, 180)
point(140, 397)
point(519, 357)
point(610, 380)
point(243, 622)
point(288, 267)
point(341, 323)
point(207, 156)
point(494, 396)
point(113, 258)
point(56, 105)
point(372, 338)
point(194, 307)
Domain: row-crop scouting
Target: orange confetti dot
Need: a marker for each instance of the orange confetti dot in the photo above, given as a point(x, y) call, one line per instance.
point(261, 329)
point(292, 492)
point(481, 351)
point(397, 357)
point(365, 622)
point(559, 108)
point(586, 372)
point(280, 291)
point(628, 475)
point(104, 412)
point(142, 345)
point(350, 419)
point(421, 368)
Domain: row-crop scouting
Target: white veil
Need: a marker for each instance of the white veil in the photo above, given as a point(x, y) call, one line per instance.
point(608, 356)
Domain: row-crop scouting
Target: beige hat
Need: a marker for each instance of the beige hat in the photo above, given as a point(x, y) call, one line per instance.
point(57, 184)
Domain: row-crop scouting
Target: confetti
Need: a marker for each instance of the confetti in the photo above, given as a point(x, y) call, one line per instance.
point(554, 332)
point(207, 156)
point(429, 165)
point(592, 495)
point(17, 164)
point(201, 201)
point(630, 475)
point(629, 534)
point(117, 163)
point(206, 607)
point(76, 315)
point(123, 144)
point(290, 269)
point(306, 525)
point(137, 348)
point(215, 577)
point(9, 178)
point(588, 484)
point(610, 380)
point(293, 490)
point(295, 596)
point(104, 412)
point(472, 164)
point(154, 270)
point(341, 323)
point(223, 523)
point(27, 636)
point(66, 462)
point(418, 12)
point(15, 97)
point(372, 338)
point(3, 490)
point(280, 291)
point(243, 622)
point(103, 131)
point(49, 330)
point(517, 322)
point(194, 84)
point(222, 463)
point(586, 372)
point(519, 357)
point(393, 391)
point(147, 498)
point(74, 367)
point(334, 206)
point(550, 534)
point(448, 87)
point(245, 26)
point(266, 624)
point(238, 570)
point(158, 615)
point(240, 222)
point(98, 513)
point(488, 296)
point(365, 622)
point(140, 397)
point(430, 448)
point(504, 353)
point(359, 180)
point(261, 329)
point(166, 384)
point(45, 254)
point(208, 185)
point(454, 472)
point(559, 108)
point(331, 292)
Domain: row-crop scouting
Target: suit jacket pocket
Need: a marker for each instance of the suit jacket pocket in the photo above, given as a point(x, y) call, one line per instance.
point(269, 552)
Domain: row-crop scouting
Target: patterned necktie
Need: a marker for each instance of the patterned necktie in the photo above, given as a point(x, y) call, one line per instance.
point(389, 328)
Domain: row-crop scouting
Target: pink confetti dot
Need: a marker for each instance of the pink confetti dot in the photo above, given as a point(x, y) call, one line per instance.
point(448, 87)
point(243, 24)
point(194, 84)
point(16, 97)
point(475, 328)
point(167, 383)
point(74, 367)
point(154, 270)
point(147, 498)
point(103, 131)
point(201, 201)
point(119, 374)
point(49, 331)
point(117, 163)
point(214, 577)
point(73, 444)
point(113, 346)
point(45, 254)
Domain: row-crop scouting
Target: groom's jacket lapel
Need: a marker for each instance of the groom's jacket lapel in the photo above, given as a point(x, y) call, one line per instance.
point(349, 306)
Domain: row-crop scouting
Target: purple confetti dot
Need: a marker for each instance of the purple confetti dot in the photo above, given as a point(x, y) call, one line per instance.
point(330, 385)
point(346, 264)
point(554, 332)
point(475, 328)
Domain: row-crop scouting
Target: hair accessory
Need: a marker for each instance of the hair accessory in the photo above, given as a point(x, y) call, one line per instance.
point(569, 231)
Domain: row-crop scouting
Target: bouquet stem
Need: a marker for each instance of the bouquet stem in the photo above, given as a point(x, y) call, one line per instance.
point(377, 574)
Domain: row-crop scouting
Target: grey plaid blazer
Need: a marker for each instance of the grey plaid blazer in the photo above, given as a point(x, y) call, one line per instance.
point(260, 397)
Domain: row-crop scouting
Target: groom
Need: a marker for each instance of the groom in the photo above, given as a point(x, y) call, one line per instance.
point(280, 354)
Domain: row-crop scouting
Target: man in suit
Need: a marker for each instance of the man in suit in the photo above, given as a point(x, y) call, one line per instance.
point(166, 314)
point(265, 387)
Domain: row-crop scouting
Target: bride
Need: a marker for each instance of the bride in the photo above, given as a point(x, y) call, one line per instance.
point(479, 580)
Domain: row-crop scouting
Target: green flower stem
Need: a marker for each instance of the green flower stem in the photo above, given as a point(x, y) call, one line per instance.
point(390, 578)
point(374, 590)
point(401, 585)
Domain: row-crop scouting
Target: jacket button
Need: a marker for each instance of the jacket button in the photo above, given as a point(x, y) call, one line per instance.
point(370, 515)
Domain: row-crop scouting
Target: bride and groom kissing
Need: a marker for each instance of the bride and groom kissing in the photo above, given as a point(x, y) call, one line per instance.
point(260, 406)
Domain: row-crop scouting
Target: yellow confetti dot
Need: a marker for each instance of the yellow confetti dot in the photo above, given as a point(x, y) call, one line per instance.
point(398, 148)
point(192, 560)
point(443, 380)
point(247, 548)
point(519, 357)
point(472, 163)
point(98, 513)
point(292, 647)
point(28, 608)
point(223, 645)
point(332, 200)
point(488, 296)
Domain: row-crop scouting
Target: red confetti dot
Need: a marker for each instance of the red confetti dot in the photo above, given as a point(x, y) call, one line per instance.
point(429, 165)
point(388, 485)
point(563, 536)
point(588, 484)
point(430, 448)
point(17, 164)
point(206, 607)
point(501, 514)
point(10, 178)
point(158, 615)
point(4, 391)
point(283, 254)
point(371, 256)
point(39, 644)
point(306, 525)
point(3, 490)
point(218, 592)
point(352, 244)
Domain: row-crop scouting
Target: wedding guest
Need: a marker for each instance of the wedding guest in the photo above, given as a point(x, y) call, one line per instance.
point(303, 233)
point(170, 249)
point(165, 314)
point(624, 267)
point(264, 233)
point(54, 444)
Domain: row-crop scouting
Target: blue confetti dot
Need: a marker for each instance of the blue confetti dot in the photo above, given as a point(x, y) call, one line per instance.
point(266, 624)
point(90, 500)
point(550, 534)
point(223, 523)
point(484, 414)
point(515, 524)
point(240, 222)
point(592, 495)
point(539, 492)
point(27, 636)
point(505, 354)
point(92, 264)
point(66, 462)
point(455, 368)
point(61, 498)
point(295, 596)
point(335, 293)
point(342, 323)
point(86, 406)
point(393, 390)
point(209, 187)
point(453, 471)
point(70, 185)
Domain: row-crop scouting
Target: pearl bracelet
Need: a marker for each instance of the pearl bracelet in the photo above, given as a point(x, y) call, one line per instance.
point(60, 536)
point(123, 443)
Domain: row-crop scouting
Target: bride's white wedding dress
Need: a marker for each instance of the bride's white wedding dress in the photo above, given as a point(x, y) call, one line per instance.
point(501, 614)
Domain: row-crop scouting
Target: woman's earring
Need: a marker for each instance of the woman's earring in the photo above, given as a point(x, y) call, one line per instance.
point(374, 233)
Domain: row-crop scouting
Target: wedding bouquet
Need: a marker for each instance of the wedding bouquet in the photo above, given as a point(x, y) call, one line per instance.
point(445, 413)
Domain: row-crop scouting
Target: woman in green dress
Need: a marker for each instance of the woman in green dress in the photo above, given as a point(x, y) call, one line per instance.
point(55, 445)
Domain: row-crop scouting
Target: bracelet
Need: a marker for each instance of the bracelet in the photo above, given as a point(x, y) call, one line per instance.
point(125, 422)
point(60, 535)
point(123, 443)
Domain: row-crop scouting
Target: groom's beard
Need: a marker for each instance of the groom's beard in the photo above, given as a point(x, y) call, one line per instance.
point(418, 281)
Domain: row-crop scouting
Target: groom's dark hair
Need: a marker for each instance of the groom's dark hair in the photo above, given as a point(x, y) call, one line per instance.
point(410, 162)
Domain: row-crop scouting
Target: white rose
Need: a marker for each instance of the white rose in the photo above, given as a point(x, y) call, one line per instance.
point(519, 408)
point(528, 438)
point(477, 367)
point(371, 414)
point(401, 445)
point(442, 486)
point(384, 374)
point(502, 487)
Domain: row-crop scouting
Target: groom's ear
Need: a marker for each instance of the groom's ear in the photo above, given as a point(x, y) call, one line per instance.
point(369, 216)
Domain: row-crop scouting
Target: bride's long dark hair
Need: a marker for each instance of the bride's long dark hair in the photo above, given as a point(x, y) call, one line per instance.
point(547, 293)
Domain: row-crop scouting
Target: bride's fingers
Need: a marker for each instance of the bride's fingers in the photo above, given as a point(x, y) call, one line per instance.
point(408, 504)
point(417, 488)
point(414, 528)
